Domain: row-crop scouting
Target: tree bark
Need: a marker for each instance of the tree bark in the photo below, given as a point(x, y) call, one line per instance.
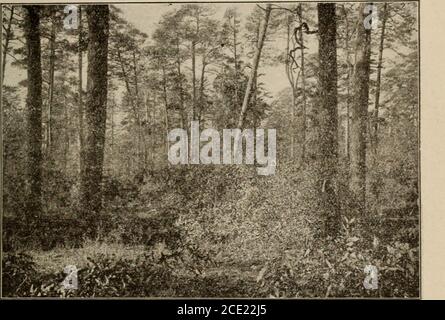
point(379, 77)
point(52, 57)
point(95, 110)
point(166, 119)
point(359, 113)
point(256, 61)
point(327, 117)
point(194, 80)
point(138, 117)
point(291, 80)
point(201, 89)
point(80, 92)
point(34, 116)
point(235, 58)
point(181, 89)
point(348, 88)
point(303, 87)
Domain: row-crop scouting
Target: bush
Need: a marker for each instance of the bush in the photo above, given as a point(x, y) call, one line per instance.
point(103, 277)
point(335, 267)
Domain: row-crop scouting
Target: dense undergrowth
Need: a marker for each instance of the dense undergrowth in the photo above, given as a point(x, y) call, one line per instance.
point(213, 232)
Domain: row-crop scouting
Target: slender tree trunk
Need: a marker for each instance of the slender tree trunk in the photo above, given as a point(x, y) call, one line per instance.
point(235, 58)
point(80, 92)
point(359, 113)
point(379, 77)
point(292, 83)
point(147, 124)
point(376, 185)
point(166, 120)
point(303, 88)
point(153, 136)
point(67, 135)
point(181, 89)
point(95, 110)
point(348, 89)
point(201, 89)
point(327, 117)
point(34, 115)
point(140, 127)
point(8, 34)
point(194, 79)
point(256, 61)
point(52, 57)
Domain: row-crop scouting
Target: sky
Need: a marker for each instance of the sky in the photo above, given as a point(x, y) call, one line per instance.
point(145, 17)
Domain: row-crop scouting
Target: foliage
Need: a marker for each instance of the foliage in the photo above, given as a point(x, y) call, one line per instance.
point(335, 267)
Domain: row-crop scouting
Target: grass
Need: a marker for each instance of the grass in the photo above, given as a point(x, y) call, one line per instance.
point(55, 260)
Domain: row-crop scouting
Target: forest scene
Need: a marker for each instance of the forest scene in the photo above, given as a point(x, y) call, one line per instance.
point(93, 207)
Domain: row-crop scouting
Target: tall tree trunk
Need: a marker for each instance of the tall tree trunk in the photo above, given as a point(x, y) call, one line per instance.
point(292, 83)
point(376, 185)
point(95, 110)
point(8, 35)
point(34, 116)
point(67, 134)
point(166, 119)
point(194, 42)
point(201, 88)
point(359, 112)
point(181, 89)
point(379, 77)
point(142, 141)
point(147, 126)
point(327, 117)
point(52, 57)
point(235, 58)
point(80, 92)
point(303, 87)
point(194, 80)
point(256, 61)
point(153, 136)
point(112, 128)
point(348, 87)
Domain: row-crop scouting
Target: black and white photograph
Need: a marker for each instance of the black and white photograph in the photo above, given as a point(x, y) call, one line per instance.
point(261, 150)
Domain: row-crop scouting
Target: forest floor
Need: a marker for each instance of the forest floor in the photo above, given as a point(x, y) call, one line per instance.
point(209, 238)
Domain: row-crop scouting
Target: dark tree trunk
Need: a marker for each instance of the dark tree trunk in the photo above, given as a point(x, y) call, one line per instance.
point(348, 87)
point(95, 110)
point(52, 57)
point(303, 87)
point(379, 77)
point(34, 116)
point(359, 113)
point(166, 118)
point(80, 93)
point(327, 117)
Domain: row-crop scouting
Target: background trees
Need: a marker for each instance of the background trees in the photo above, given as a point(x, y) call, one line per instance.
point(345, 111)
